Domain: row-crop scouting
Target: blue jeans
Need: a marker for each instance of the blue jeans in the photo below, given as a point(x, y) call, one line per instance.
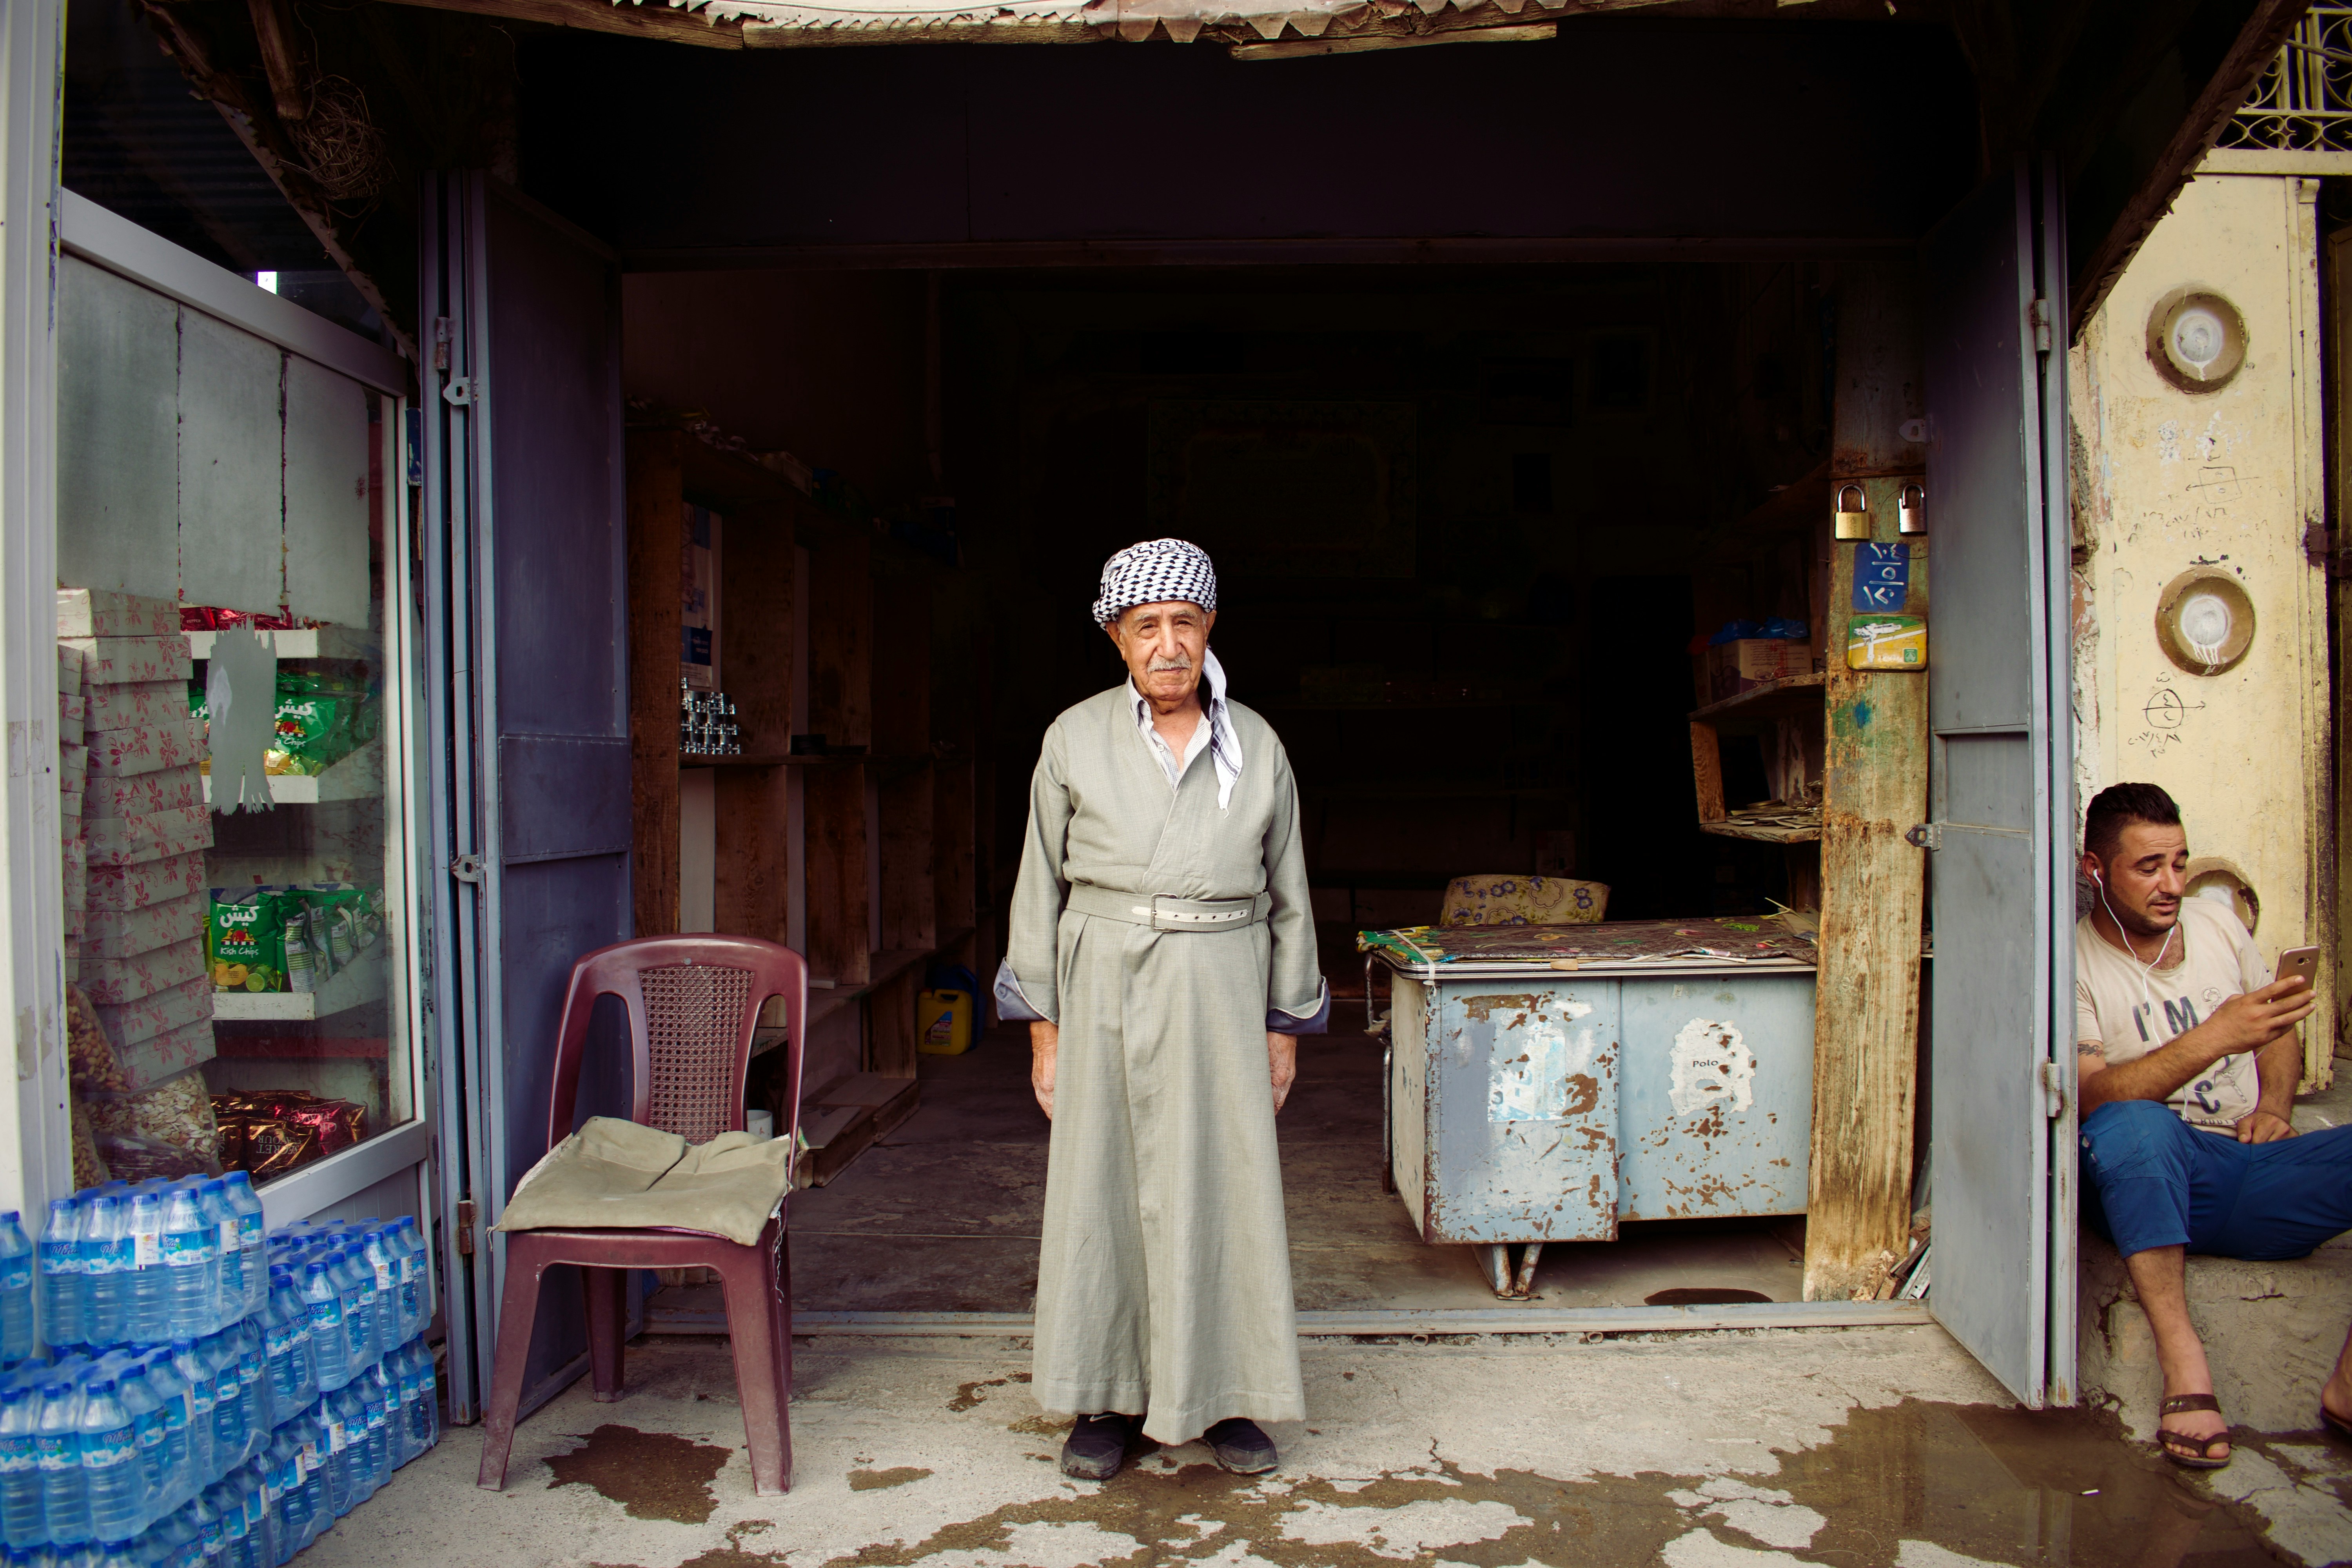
point(2149, 1179)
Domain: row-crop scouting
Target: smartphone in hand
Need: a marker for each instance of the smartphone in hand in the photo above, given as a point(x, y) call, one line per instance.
point(2300, 961)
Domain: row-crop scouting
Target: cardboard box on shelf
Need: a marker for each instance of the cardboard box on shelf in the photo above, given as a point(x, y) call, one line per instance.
point(1743, 665)
point(105, 612)
point(126, 840)
point(70, 662)
point(116, 753)
point(137, 705)
point(141, 883)
point(120, 933)
point(116, 661)
point(114, 982)
point(145, 795)
point(149, 1062)
point(180, 1005)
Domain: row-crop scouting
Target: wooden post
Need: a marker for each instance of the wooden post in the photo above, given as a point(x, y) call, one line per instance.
point(1873, 883)
point(657, 526)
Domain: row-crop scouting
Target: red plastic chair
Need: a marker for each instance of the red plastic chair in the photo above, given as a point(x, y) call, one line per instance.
point(693, 1002)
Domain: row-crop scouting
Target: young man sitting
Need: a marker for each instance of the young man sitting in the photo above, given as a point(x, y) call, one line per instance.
point(2188, 1059)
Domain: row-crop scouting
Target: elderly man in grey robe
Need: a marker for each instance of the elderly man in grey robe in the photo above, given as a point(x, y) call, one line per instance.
point(1162, 947)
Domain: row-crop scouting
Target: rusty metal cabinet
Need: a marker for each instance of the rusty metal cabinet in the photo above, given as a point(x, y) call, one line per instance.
point(1527, 1105)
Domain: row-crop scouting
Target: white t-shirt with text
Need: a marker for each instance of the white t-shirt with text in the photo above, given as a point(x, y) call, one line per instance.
point(2129, 1009)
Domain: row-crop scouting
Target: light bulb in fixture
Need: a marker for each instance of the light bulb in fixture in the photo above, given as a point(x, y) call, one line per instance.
point(2198, 337)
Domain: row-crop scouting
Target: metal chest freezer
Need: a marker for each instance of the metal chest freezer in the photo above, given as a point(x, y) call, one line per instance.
point(1532, 1098)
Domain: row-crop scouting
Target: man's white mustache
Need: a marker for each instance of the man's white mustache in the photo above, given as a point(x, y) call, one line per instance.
point(1159, 666)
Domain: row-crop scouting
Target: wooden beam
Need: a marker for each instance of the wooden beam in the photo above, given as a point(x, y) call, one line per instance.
point(651, 20)
point(282, 58)
point(656, 530)
point(1873, 883)
point(2257, 44)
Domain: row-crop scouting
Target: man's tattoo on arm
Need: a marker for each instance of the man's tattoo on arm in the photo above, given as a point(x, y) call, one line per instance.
point(2096, 1050)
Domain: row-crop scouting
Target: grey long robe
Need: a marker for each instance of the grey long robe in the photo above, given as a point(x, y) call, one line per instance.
point(1163, 1283)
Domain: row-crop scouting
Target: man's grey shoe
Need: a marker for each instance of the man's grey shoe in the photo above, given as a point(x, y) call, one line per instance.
point(1241, 1447)
point(1096, 1446)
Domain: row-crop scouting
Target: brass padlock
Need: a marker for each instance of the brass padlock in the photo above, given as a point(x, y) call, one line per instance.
point(1911, 509)
point(1851, 520)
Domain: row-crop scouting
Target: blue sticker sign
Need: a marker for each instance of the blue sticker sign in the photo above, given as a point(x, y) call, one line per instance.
point(1881, 575)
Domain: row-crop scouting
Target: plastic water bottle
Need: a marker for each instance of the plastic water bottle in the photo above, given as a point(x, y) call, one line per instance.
point(178, 1402)
point(374, 1256)
point(351, 1413)
point(148, 1318)
point(428, 1400)
point(20, 1466)
point(110, 1463)
point(65, 1495)
point(324, 1301)
point(191, 1263)
point(253, 1367)
point(285, 1330)
point(357, 1281)
point(405, 1444)
point(138, 1397)
point(253, 1509)
point(16, 1291)
point(177, 1542)
point(191, 1366)
point(106, 1264)
point(230, 1424)
point(228, 1245)
point(289, 1477)
point(382, 1392)
point(61, 1276)
point(252, 1241)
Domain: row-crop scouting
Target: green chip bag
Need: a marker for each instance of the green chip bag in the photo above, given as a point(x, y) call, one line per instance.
point(248, 940)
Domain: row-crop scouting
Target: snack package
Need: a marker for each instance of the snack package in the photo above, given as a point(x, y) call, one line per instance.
point(316, 727)
point(248, 940)
point(89, 1169)
point(179, 1110)
point(91, 1060)
point(134, 1158)
point(270, 1132)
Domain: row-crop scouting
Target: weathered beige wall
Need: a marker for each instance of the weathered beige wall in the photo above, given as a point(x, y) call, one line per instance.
point(2165, 481)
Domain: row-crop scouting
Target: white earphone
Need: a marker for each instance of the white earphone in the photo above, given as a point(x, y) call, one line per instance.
point(2146, 970)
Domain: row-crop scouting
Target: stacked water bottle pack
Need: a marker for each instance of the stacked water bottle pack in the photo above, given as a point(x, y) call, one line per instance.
point(213, 1398)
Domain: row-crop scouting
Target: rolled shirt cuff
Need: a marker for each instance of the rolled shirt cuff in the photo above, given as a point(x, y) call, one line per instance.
point(1011, 1002)
point(1318, 1022)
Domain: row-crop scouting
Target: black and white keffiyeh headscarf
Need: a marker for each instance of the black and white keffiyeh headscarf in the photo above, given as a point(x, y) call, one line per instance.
point(1153, 572)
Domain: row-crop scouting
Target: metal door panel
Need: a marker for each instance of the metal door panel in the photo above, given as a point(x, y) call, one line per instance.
point(2000, 778)
point(1715, 1096)
point(524, 461)
point(1522, 1129)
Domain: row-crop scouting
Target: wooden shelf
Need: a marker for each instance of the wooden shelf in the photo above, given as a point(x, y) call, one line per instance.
point(1762, 834)
point(359, 776)
point(1784, 698)
point(354, 986)
point(1430, 705)
point(1432, 792)
point(303, 642)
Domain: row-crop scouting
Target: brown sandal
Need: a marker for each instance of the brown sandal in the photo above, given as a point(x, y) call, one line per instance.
point(2203, 1459)
point(2339, 1424)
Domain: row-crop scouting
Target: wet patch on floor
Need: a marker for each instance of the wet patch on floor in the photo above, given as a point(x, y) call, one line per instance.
point(1915, 1485)
point(873, 1480)
point(651, 1475)
point(968, 1394)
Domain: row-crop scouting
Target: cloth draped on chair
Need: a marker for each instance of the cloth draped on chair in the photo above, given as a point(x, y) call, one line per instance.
point(617, 1174)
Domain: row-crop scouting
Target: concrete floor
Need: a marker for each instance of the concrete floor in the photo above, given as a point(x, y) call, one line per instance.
point(943, 1215)
point(1847, 1448)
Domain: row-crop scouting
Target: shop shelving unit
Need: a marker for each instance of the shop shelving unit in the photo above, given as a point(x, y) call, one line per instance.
point(863, 857)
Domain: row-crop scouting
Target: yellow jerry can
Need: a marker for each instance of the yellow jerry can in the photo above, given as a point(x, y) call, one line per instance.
point(944, 1022)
